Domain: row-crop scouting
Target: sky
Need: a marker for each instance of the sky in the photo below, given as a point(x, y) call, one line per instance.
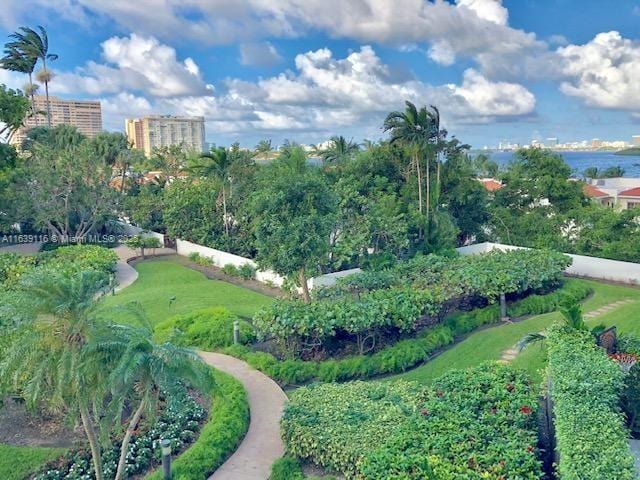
point(305, 70)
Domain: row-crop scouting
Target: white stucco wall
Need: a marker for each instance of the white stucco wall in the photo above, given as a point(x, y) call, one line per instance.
point(583, 266)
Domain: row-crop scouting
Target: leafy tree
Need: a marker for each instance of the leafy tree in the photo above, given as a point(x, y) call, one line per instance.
point(65, 190)
point(14, 109)
point(264, 148)
point(485, 167)
point(30, 44)
point(293, 214)
point(16, 61)
point(108, 146)
point(339, 150)
point(145, 207)
point(170, 160)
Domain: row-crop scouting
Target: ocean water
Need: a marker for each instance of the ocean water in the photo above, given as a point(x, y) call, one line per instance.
point(579, 161)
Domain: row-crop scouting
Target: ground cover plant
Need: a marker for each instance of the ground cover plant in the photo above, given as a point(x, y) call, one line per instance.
point(475, 424)
point(19, 462)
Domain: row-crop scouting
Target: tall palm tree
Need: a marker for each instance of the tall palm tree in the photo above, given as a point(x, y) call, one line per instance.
point(35, 45)
point(16, 61)
point(146, 370)
point(339, 150)
point(216, 164)
point(50, 358)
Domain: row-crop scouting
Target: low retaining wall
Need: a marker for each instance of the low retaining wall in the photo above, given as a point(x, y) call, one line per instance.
point(582, 266)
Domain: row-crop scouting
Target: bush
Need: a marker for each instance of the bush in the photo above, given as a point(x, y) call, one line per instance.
point(397, 358)
point(231, 270)
point(247, 271)
point(208, 329)
point(219, 438)
point(200, 260)
point(591, 438)
point(477, 423)
point(286, 468)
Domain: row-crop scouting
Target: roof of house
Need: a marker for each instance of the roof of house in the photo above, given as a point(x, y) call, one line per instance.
point(632, 192)
point(492, 185)
point(593, 192)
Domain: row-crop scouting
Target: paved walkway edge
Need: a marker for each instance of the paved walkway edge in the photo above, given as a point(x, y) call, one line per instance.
point(262, 444)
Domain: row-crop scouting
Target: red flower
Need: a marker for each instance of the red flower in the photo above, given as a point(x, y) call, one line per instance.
point(526, 410)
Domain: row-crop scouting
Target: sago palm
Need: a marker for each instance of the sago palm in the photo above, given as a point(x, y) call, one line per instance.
point(144, 370)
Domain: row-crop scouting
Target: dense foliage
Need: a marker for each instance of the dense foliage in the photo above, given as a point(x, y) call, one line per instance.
point(586, 386)
point(208, 329)
point(397, 299)
point(475, 424)
point(405, 353)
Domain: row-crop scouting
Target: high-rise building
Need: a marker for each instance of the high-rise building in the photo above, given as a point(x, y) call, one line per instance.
point(86, 115)
point(155, 131)
point(635, 140)
point(596, 143)
point(551, 142)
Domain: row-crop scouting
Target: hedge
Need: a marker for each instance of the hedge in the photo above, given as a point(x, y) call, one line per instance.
point(479, 423)
point(227, 425)
point(405, 353)
point(591, 438)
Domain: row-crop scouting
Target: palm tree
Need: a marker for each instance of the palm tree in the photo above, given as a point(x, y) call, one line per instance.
point(35, 45)
point(16, 61)
point(216, 164)
point(572, 317)
point(264, 148)
point(339, 150)
point(146, 370)
point(50, 358)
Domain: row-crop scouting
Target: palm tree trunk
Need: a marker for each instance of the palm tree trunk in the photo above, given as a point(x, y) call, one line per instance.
point(125, 167)
point(33, 99)
point(224, 212)
point(302, 275)
point(133, 423)
point(428, 196)
point(46, 91)
point(93, 440)
point(416, 161)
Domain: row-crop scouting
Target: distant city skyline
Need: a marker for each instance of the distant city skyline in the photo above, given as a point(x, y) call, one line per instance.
point(304, 71)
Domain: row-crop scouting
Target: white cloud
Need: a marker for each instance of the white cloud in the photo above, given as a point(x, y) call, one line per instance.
point(603, 72)
point(262, 54)
point(491, 10)
point(135, 63)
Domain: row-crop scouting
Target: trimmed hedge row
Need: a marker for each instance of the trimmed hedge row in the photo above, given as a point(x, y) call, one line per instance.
point(227, 425)
point(590, 434)
point(406, 353)
point(479, 423)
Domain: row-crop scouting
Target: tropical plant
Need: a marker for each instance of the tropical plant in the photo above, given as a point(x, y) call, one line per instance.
point(146, 370)
point(264, 148)
point(32, 45)
point(16, 61)
point(338, 150)
point(14, 109)
point(50, 355)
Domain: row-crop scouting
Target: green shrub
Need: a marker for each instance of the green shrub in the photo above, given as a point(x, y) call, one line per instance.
point(200, 260)
point(247, 271)
point(477, 423)
point(286, 468)
point(591, 438)
point(397, 358)
point(227, 425)
point(231, 270)
point(208, 329)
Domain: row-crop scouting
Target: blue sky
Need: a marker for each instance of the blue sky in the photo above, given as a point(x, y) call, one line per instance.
point(308, 69)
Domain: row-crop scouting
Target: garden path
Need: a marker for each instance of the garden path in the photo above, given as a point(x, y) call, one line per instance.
point(125, 273)
point(262, 444)
point(511, 353)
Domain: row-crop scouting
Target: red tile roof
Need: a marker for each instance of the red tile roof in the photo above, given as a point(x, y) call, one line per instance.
point(492, 185)
point(593, 192)
point(632, 192)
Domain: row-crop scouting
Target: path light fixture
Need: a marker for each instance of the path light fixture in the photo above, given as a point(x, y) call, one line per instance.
point(165, 445)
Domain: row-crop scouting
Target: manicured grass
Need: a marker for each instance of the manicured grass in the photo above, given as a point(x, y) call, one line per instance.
point(160, 280)
point(489, 344)
point(17, 463)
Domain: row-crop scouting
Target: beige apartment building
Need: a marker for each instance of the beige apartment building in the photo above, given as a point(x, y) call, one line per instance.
point(155, 131)
point(86, 115)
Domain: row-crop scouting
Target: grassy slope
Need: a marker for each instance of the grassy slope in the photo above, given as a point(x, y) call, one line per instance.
point(489, 344)
point(16, 463)
point(160, 280)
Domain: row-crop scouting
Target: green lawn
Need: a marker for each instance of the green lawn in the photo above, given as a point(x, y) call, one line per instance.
point(160, 280)
point(17, 463)
point(489, 344)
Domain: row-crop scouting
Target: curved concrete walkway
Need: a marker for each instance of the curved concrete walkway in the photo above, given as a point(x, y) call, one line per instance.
point(262, 445)
point(125, 273)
